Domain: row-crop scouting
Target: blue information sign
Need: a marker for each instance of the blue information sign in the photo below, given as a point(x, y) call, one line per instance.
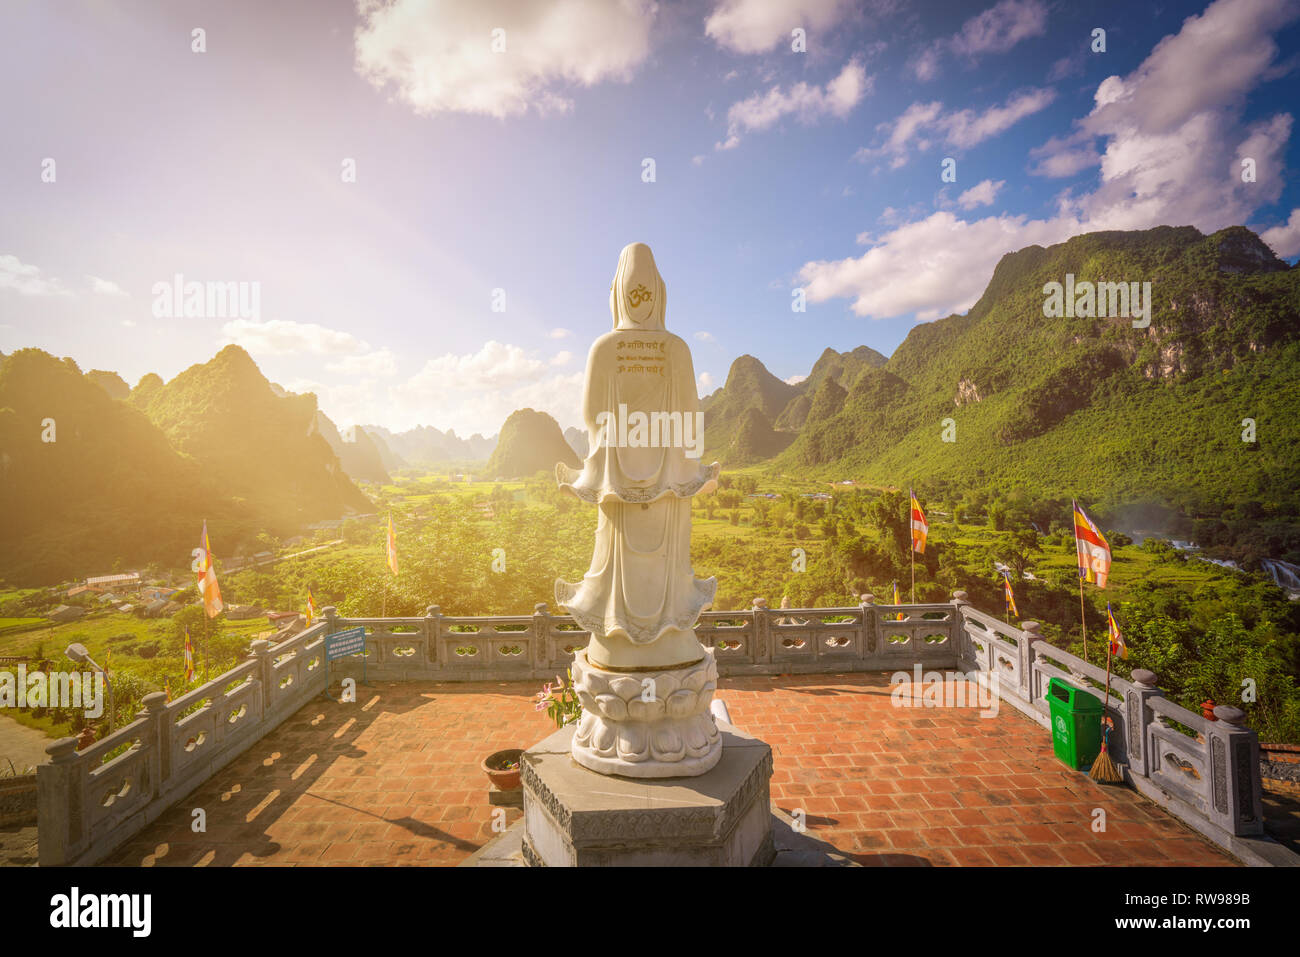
point(344, 643)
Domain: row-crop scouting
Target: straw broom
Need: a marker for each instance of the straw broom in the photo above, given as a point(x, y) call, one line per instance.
point(1103, 770)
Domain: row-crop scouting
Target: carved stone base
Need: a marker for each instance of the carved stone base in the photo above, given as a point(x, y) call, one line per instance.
point(647, 724)
point(574, 817)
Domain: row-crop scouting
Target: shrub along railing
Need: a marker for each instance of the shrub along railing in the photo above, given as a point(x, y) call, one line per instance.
point(93, 801)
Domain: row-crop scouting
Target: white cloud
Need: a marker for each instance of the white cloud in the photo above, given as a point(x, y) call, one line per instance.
point(1064, 156)
point(1285, 239)
point(105, 287)
point(495, 366)
point(1172, 145)
point(1172, 128)
point(756, 26)
point(981, 194)
point(477, 392)
point(966, 128)
point(559, 333)
point(807, 103)
point(961, 129)
point(933, 267)
point(381, 362)
point(1001, 27)
point(1066, 66)
point(996, 30)
point(26, 280)
point(562, 358)
point(705, 383)
point(704, 336)
point(439, 57)
point(277, 337)
point(795, 379)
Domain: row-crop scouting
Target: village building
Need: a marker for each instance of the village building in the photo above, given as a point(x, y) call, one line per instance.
point(243, 612)
point(66, 613)
point(129, 581)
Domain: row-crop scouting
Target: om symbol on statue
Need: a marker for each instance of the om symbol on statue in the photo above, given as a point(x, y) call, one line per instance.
point(639, 295)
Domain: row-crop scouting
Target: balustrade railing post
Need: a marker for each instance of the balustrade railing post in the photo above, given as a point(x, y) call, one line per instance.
point(761, 633)
point(957, 627)
point(1033, 632)
point(260, 651)
point(870, 633)
point(158, 736)
point(1236, 804)
point(60, 819)
point(1138, 717)
point(433, 636)
point(541, 637)
point(331, 616)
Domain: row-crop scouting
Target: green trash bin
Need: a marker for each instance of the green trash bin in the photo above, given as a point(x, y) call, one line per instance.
point(1076, 724)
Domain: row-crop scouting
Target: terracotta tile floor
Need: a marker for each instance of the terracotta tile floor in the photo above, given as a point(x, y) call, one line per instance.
point(395, 779)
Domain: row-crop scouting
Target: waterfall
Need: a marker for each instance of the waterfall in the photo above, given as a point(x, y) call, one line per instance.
point(1285, 575)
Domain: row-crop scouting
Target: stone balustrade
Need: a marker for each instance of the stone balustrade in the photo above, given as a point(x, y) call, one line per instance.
point(90, 802)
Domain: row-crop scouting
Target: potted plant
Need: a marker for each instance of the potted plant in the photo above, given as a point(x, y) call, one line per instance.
point(502, 768)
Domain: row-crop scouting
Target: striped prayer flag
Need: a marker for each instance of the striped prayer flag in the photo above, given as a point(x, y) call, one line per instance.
point(167, 689)
point(189, 658)
point(1091, 548)
point(392, 545)
point(919, 527)
point(1010, 595)
point(311, 608)
point(205, 568)
point(1117, 646)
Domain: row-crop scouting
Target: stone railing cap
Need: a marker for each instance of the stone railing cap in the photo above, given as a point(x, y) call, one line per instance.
point(1229, 715)
point(1144, 677)
point(64, 749)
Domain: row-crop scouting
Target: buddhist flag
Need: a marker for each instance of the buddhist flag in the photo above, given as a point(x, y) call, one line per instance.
point(167, 689)
point(392, 545)
point(1117, 646)
point(205, 568)
point(1010, 595)
point(1092, 549)
point(311, 608)
point(896, 599)
point(919, 527)
point(189, 658)
point(108, 656)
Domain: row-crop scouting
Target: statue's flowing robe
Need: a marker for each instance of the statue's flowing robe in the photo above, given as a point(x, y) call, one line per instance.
point(640, 584)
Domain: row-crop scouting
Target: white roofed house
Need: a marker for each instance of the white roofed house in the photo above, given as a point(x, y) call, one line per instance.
point(129, 581)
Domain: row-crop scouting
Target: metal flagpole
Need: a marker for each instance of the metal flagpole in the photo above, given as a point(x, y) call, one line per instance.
point(1083, 620)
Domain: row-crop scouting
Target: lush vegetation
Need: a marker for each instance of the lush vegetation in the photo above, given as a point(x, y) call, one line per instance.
point(496, 548)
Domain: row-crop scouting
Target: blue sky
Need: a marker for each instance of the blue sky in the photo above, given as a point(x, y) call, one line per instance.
point(522, 170)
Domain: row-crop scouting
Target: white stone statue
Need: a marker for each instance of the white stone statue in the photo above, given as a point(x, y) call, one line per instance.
point(645, 681)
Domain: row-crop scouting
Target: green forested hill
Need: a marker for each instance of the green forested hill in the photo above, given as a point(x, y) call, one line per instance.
point(1095, 406)
point(258, 445)
point(130, 481)
point(530, 442)
point(108, 488)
